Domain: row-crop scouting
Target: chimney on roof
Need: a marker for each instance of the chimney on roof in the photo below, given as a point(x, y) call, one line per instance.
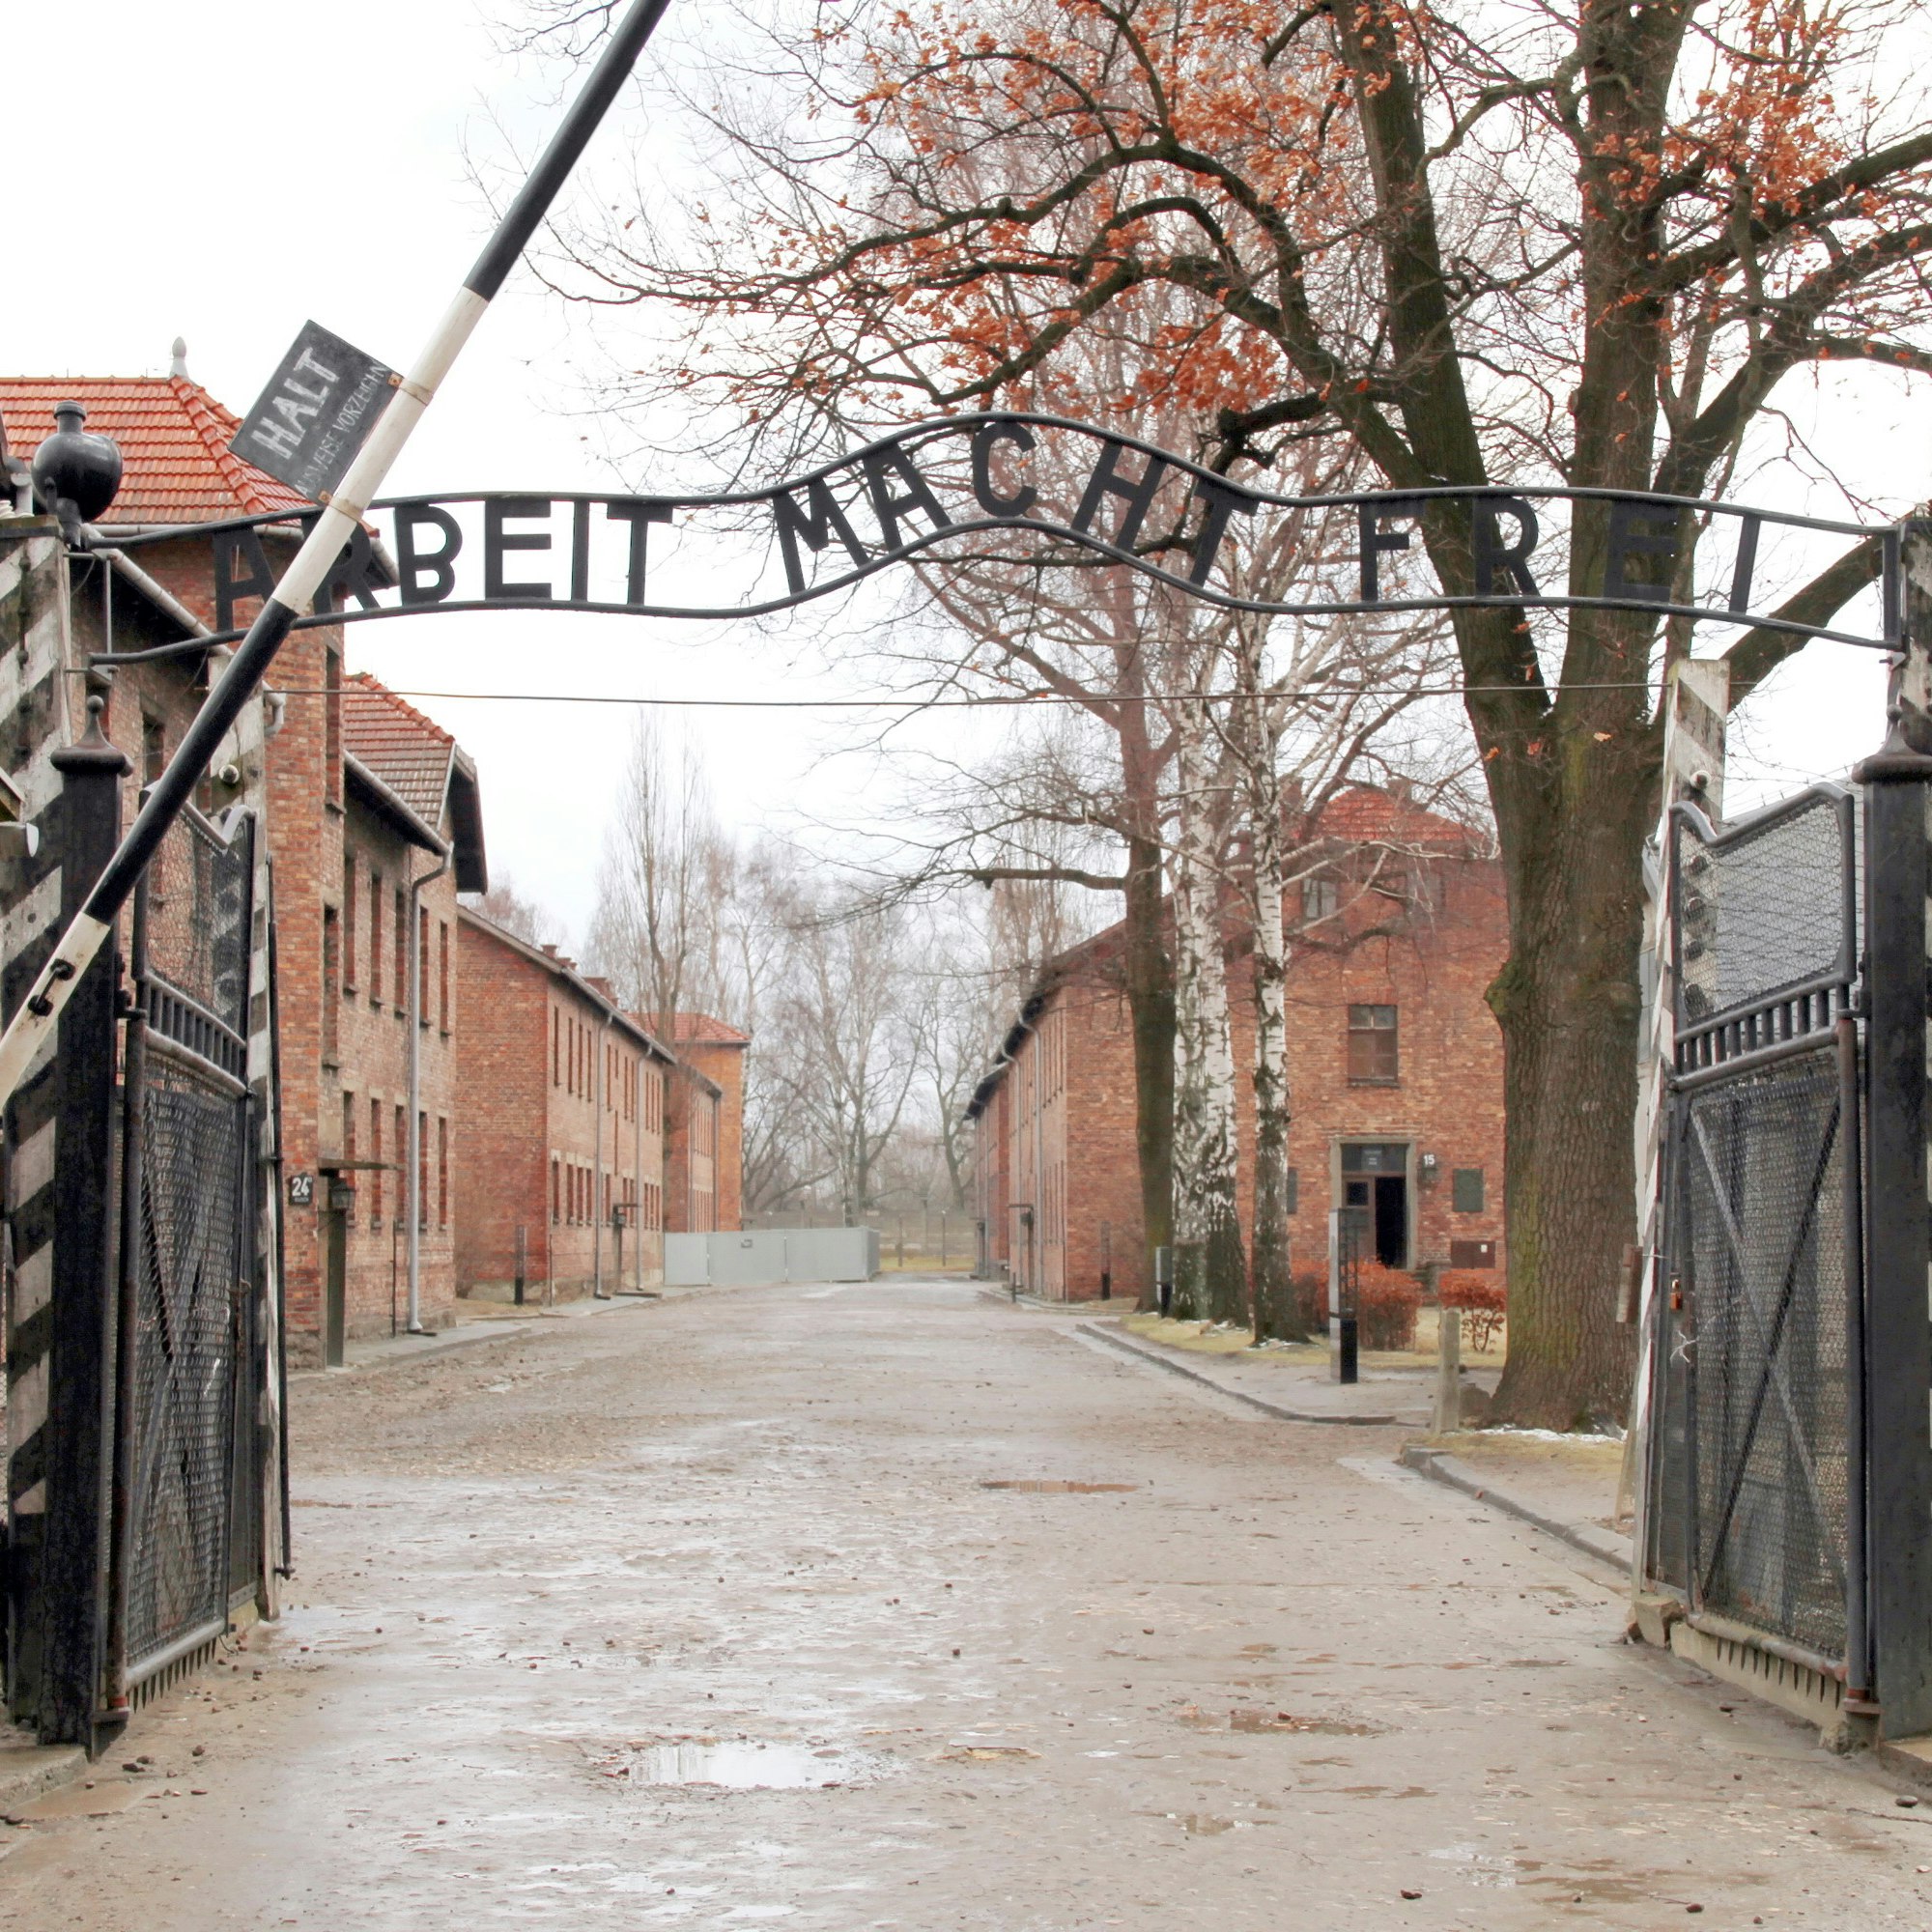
point(1402, 790)
point(179, 366)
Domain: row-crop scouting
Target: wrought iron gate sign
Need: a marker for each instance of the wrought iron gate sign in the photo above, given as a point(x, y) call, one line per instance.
point(970, 483)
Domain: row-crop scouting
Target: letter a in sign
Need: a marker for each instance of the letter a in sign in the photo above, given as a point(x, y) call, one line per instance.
point(316, 412)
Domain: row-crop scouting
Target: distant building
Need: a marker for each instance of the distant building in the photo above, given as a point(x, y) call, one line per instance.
point(704, 1181)
point(1395, 1072)
point(561, 1169)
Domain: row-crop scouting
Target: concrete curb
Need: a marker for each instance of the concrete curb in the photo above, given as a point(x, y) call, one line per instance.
point(1115, 1340)
point(28, 1771)
point(1001, 1299)
point(1605, 1544)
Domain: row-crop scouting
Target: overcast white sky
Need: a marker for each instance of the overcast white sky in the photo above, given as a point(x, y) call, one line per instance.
point(224, 169)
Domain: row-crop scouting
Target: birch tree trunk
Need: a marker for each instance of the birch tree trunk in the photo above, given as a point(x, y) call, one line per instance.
point(1274, 1313)
point(1210, 1269)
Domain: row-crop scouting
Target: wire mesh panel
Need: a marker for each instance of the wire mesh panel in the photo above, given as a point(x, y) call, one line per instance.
point(188, 1267)
point(190, 1249)
point(1750, 1467)
point(1758, 1250)
point(198, 917)
point(1764, 906)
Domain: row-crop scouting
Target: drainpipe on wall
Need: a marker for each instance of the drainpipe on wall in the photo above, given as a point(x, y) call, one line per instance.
point(597, 1293)
point(412, 1184)
point(1036, 1229)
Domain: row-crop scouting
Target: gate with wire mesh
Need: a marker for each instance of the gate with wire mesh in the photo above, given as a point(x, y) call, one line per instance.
point(189, 1501)
point(1755, 1505)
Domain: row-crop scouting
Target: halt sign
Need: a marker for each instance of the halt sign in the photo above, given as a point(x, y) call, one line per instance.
point(316, 412)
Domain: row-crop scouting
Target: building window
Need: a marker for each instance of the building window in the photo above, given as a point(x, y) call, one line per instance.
point(443, 975)
point(1428, 889)
point(1466, 1190)
point(348, 1128)
point(401, 998)
point(442, 1171)
point(348, 923)
point(154, 749)
point(1293, 1190)
point(556, 1190)
point(376, 1174)
point(1320, 898)
point(555, 1046)
point(423, 1169)
point(375, 937)
point(422, 964)
point(401, 1165)
point(332, 980)
point(1372, 1047)
point(331, 726)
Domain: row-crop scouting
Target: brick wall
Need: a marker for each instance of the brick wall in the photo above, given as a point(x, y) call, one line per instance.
point(365, 1071)
point(690, 1146)
point(722, 1062)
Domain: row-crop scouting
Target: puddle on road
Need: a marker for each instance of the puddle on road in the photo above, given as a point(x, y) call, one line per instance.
point(742, 1765)
point(1485, 1868)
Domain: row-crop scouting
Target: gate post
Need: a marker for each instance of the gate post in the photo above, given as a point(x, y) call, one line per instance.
point(72, 1590)
point(1897, 783)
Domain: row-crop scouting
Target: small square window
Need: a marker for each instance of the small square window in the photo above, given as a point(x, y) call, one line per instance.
point(1293, 1190)
point(1466, 1190)
point(1373, 1059)
point(1320, 898)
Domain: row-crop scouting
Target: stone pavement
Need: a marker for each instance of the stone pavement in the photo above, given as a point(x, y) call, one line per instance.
point(881, 1606)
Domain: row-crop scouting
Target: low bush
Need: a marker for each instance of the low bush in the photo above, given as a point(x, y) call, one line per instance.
point(1385, 1303)
point(1482, 1301)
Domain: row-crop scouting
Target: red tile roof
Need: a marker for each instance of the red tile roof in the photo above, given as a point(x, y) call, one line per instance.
point(701, 1029)
point(396, 744)
point(174, 444)
point(1368, 814)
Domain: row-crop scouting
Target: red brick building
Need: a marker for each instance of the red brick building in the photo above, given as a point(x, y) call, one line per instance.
point(704, 1179)
point(287, 759)
point(564, 1096)
point(1395, 1069)
point(412, 838)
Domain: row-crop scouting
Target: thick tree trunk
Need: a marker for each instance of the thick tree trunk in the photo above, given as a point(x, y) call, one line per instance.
point(1568, 1005)
point(1210, 1269)
point(1149, 989)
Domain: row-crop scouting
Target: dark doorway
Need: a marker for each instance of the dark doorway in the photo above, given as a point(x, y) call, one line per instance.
point(1374, 1177)
point(1391, 1220)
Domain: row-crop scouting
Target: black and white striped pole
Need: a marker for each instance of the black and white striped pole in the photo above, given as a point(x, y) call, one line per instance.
point(31, 1027)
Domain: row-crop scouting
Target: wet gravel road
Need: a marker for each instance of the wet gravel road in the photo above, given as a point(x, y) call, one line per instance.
point(761, 1606)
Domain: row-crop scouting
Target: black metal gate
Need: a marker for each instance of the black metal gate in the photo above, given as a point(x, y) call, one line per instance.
point(188, 1498)
point(1755, 1505)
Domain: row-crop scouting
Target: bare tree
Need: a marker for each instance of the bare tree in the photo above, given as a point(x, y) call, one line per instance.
point(508, 907)
point(653, 931)
point(1594, 240)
